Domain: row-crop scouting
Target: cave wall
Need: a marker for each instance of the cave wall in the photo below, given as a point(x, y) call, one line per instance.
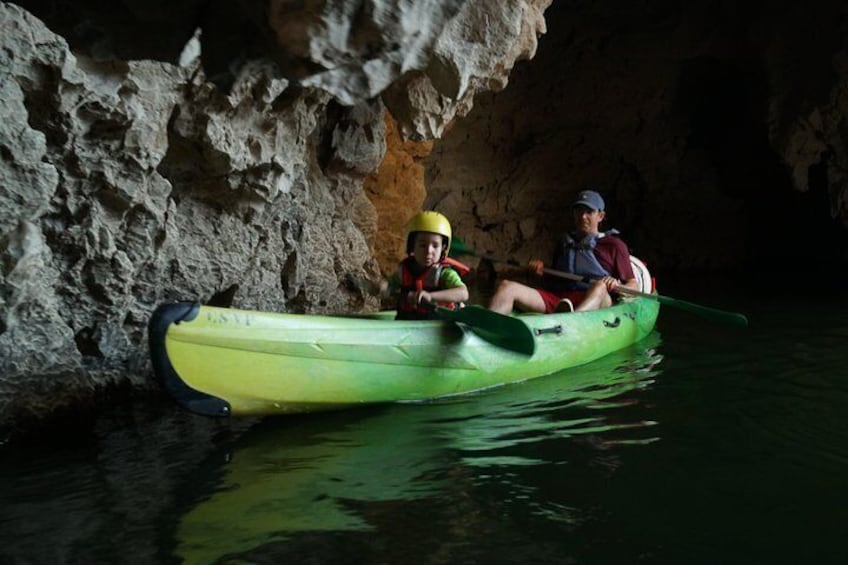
point(715, 130)
point(127, 184)
point(211, 151)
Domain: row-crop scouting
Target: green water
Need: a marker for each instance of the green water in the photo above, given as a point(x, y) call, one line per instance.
point(702, 444)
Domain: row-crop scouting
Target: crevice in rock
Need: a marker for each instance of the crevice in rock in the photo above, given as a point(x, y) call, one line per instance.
point(289, 269)
point(299, 303)
point(287, 97)
point(186, 166)
point(40, 100)
point(87, 342)
point(224, 298)
point(178, 157)
point(324, 152)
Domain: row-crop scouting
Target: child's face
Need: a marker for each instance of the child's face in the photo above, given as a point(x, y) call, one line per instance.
point(427, 248)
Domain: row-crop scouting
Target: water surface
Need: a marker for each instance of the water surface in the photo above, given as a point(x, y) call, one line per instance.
point(702, 444)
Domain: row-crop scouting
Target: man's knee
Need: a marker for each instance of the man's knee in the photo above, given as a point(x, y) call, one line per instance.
point(598, 286)
point(505, 287)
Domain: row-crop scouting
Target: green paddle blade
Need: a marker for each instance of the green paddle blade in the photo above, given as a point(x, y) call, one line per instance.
point(503, 331)
point(458, 249)
point(713, 314)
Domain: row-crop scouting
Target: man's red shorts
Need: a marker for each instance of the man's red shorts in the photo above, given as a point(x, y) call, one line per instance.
point(552, 298)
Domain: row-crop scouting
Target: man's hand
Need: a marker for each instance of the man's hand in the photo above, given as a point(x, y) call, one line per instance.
point(537, 267)
point(611, 283)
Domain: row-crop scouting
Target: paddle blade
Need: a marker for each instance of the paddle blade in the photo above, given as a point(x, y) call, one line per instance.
point(503, 331)
point(458, 249)
point(706, 312)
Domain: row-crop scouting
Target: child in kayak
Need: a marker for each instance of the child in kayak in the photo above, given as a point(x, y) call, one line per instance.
point(427, 277)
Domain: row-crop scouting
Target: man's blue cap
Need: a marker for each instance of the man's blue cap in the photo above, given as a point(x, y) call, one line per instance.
point(589, 199)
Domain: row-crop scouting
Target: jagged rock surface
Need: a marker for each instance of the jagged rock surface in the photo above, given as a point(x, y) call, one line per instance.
point(128, 184)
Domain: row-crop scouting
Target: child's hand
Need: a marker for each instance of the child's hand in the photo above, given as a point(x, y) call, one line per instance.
point(419, 297)
point(424, 297)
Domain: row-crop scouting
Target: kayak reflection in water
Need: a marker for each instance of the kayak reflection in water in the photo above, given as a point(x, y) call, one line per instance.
point(313, 478)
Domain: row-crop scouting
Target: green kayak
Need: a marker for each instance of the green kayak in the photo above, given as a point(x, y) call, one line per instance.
point(223, 361)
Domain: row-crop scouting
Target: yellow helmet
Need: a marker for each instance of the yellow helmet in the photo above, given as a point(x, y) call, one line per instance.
point(428, 221)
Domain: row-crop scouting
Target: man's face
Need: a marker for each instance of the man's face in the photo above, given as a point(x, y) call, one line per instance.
point(587, 220)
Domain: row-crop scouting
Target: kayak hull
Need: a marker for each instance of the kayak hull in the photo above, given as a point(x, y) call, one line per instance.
point(228, 362)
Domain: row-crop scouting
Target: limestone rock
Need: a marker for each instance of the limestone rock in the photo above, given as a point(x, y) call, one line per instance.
point(474, 54)
point(128, 183)
point(355, 50)
point(397, 191)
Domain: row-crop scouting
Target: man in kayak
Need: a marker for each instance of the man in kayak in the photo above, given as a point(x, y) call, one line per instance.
point(588, 252)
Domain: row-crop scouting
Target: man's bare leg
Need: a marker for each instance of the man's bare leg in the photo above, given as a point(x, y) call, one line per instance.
point(511, 294)
point(596, 297)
